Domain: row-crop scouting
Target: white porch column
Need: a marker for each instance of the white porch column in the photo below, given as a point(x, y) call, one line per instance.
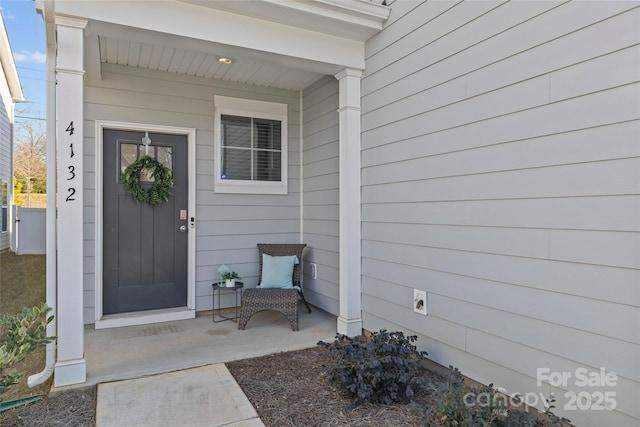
point(350, 319)
point(70, 366)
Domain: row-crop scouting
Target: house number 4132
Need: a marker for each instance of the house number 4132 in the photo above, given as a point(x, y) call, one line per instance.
point(71, 169)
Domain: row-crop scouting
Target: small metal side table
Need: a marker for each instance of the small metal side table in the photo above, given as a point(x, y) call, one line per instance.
point(217, 290)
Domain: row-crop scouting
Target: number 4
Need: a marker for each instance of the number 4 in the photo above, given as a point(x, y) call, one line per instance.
point(69, 129)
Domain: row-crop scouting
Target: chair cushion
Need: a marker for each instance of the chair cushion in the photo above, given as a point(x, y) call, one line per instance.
point(277, 271)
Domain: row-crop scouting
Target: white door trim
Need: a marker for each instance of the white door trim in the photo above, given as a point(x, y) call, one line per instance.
point(154, 316)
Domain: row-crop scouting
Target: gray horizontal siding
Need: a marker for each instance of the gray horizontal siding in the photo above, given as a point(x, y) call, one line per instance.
point(228, 225)
point(6, 145)
point(500, 174)
point(320, 195)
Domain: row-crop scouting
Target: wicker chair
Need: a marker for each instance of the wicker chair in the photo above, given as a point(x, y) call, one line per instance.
point(283, 300)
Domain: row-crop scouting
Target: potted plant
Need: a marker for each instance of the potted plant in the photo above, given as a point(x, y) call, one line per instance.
point(229, 278)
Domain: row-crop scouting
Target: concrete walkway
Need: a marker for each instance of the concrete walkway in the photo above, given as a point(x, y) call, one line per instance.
point(173, 374)
point(205, 396)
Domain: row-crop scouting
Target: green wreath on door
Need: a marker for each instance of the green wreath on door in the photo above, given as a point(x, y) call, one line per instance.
point(161, 188)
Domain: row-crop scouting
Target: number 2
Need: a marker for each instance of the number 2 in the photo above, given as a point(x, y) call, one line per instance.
point(70, 197)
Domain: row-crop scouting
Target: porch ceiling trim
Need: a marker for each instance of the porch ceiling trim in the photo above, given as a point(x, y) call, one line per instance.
point(117, 44)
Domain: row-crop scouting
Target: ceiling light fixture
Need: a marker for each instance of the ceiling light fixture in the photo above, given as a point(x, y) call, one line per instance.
point(224, 60)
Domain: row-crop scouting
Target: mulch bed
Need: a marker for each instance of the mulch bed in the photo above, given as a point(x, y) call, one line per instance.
point(290, 389)
point(67, 408)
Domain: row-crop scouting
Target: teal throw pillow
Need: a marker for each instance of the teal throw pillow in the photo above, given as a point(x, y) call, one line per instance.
point(277, 271)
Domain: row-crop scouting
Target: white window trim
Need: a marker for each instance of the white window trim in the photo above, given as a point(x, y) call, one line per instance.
point(255, 109)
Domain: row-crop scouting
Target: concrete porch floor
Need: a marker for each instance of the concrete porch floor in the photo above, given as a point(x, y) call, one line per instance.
point(173, 373)
point(139, 351)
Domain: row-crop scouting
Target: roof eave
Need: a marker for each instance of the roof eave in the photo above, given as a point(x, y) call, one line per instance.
point(9, 64)
point(358, 20)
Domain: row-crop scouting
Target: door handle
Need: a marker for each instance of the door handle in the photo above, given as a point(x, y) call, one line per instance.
point(183, 228)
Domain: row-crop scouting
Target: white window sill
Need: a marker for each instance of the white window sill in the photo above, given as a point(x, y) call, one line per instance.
point(245, 188)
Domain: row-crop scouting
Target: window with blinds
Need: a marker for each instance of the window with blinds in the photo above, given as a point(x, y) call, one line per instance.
point(251, 146)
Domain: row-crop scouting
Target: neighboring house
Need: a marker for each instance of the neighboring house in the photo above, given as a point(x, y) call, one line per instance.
point(486, 153)
point(11, 92)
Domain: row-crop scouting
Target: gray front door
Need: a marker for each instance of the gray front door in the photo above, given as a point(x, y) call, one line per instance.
point(144, 248)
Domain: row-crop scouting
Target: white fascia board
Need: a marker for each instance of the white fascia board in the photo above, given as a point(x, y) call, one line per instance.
point(46, 9)
point(363, 9)
point(9, 65)
point(352, 19)
point(201, 23)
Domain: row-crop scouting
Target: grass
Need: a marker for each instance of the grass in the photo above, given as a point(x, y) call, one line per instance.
point(22, 281)
point(22, 284)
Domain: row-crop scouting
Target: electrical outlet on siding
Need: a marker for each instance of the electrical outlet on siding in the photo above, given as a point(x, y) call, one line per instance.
point(420, 301)
point(314, 270)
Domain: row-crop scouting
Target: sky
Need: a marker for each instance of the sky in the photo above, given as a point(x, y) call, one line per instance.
point(26, 36)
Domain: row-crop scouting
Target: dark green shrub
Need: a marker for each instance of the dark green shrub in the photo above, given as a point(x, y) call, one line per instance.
point(447, 402)
point(552, 420)
point(380, 369)
point(454, 403)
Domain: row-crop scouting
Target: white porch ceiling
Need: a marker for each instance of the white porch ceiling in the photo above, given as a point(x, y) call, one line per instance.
point(243, 69)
